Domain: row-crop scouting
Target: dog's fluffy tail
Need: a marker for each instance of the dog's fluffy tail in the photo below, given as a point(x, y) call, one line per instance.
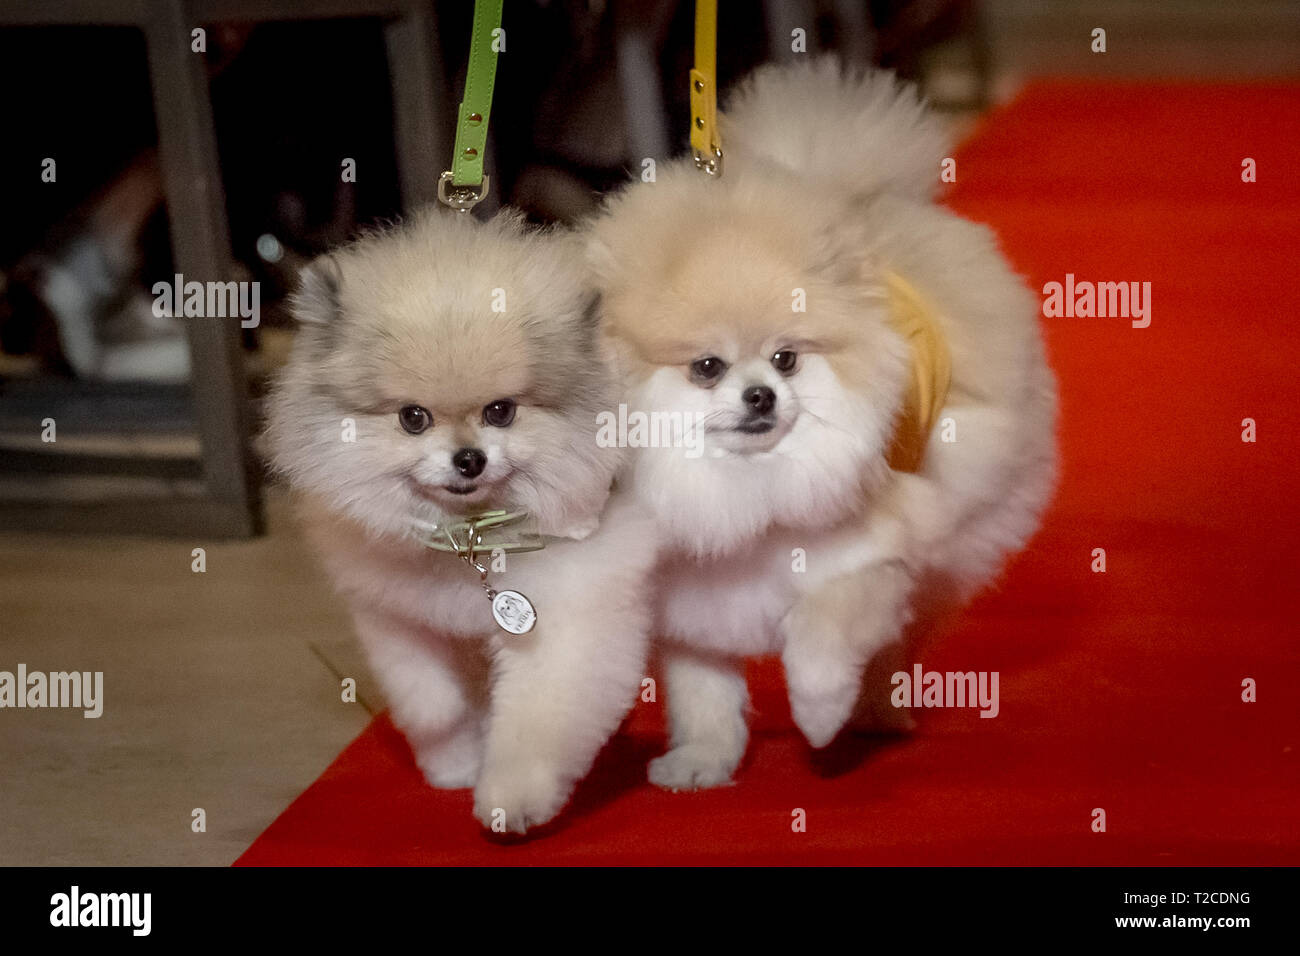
point(862, 133)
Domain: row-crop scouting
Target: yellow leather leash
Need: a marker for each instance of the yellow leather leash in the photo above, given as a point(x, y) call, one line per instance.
point(706, 143)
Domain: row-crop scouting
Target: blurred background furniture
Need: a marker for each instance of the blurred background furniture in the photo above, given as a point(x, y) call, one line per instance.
point(161, 443)
point(224, 165)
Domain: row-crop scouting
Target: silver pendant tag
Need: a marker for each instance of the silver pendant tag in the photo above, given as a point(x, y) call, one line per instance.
point(503, 531)
point(513, 612)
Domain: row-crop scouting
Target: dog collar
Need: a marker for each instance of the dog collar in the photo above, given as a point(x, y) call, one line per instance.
point(492, 532)
point(931, 373)
point(510, 532)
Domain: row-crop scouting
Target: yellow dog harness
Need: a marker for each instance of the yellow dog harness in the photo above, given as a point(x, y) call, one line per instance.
point(913, 319)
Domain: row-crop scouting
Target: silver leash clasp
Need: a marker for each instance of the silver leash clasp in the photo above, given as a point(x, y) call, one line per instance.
point(461, 198)
point(710, 164)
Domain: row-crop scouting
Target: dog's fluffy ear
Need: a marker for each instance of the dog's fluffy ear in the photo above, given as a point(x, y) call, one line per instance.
point(317, 300)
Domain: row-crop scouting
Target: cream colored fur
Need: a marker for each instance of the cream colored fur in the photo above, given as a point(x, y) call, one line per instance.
point(407, 316)
point(824, 193)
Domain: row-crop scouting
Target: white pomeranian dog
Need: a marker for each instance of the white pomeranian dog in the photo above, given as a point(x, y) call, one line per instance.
point(877, 413)
point(446, 369)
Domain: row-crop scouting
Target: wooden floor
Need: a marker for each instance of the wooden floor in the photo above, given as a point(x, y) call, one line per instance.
point(221, 691)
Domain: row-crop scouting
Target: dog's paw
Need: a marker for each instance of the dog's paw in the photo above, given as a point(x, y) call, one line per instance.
point(821, 710)
point(449, 775)
point(823, 678)
point(692, 767)
point(452, 764)
point(514, 799)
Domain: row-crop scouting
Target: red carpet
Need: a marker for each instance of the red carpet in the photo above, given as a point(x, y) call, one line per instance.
point(1119, 690)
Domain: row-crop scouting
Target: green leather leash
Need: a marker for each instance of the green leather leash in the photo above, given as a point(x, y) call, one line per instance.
point(465, 185)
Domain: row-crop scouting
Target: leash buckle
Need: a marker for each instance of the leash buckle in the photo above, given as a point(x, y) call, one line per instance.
point(710, 164)
point(461, 198)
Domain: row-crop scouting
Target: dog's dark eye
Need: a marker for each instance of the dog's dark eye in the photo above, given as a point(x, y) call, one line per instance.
point(784, 360)
point(414, 418)
point(707, 370)
point(500, 413)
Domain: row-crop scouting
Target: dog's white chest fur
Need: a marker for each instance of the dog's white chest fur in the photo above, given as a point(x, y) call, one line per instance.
point(405, 582)
point(735, 604)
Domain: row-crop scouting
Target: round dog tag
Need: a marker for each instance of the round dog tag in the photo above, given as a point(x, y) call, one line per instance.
point(513, 612)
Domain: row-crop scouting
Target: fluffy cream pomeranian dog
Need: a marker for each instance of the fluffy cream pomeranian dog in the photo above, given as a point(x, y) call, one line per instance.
point(465, 357)
point(878, 415)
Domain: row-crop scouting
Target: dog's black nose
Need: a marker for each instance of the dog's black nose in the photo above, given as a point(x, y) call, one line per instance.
point(470, 462)
point(759, 398)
